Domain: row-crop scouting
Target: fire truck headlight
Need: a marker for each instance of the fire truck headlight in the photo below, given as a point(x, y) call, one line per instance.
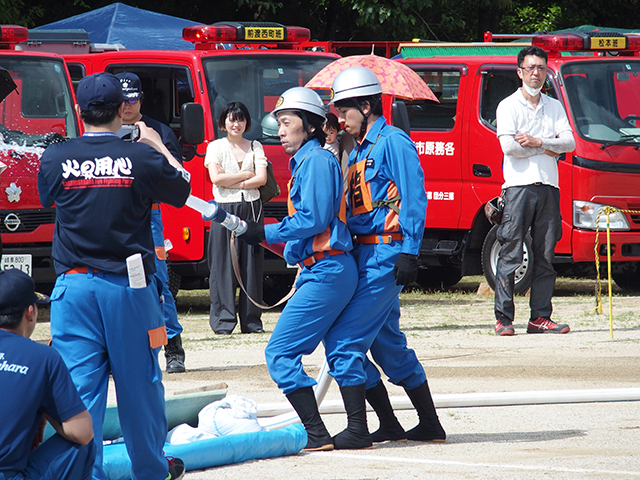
point(585, 216)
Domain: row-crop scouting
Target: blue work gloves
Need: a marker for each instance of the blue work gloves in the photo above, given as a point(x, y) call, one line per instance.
point(406, 269)
point(254, 234)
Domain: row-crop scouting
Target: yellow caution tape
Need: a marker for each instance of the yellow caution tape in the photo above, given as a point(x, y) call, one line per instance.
point(598, 308)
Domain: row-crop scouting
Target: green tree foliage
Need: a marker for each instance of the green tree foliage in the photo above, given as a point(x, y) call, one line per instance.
point(15, 12)
point(444, 20)
point(529, 19)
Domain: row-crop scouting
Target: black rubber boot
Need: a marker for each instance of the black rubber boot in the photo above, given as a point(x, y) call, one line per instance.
point(174, 355)
point(304, 402)
point(390, 428)
point(356, 435)
point(429, 428)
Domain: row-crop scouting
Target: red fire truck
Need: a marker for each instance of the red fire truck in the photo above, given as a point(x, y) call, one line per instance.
point(597, 78)
point(36, 109)
point(252, 63)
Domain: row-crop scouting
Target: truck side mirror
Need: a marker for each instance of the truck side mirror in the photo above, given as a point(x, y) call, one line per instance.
point(192, 123)
point(400, 116)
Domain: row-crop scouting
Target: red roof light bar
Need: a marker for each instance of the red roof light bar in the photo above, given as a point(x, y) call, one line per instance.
point(10, 35)
point(206, 36)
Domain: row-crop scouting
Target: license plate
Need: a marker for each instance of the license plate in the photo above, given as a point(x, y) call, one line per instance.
point(21, 262)
point(263, 33)
point(608, 43)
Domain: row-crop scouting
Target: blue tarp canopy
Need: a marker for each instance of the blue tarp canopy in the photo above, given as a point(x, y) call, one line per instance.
point(134, 28)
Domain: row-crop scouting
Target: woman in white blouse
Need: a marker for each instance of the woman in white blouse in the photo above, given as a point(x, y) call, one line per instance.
point(238, 168)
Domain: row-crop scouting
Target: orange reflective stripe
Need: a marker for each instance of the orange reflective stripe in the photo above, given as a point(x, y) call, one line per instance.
point(391, 220)
point(322, 241)
point(161, 253)
point(290, 208)
point(342, 213)
point(359, 192)
point(157, 337)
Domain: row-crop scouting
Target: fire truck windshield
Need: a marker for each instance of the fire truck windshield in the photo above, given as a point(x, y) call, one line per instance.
point(604, 100)
point(37, 106)
point(258, 81)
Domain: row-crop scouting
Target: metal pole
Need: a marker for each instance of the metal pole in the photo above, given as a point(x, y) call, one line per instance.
point(491, 399)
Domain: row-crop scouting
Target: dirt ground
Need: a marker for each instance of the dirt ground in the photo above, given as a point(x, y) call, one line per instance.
point(452, 334)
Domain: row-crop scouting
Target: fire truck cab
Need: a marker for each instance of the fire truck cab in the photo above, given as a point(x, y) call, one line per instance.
point(251, 63)
point(596, 76)
point(36, 109)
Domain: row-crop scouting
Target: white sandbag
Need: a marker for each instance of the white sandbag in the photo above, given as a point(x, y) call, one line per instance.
point(185, 433)
point(233, 414)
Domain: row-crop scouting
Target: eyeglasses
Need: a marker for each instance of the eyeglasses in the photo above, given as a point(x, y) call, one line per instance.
point(132, 100)
point(540, 68)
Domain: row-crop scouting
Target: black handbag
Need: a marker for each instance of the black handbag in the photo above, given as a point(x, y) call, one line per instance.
point(271, 189)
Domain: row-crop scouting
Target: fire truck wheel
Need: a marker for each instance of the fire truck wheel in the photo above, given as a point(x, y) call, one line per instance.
point(276, 286)
point(490, 249)
point(174, 282)
point(436, 278)
point(628, 278)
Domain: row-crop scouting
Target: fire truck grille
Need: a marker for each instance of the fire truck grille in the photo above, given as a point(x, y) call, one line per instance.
point(25, 221)
point(275, 210)
point(635, 218)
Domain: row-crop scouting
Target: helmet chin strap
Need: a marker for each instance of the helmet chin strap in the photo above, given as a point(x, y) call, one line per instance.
point(363, 125)
point(305, 125)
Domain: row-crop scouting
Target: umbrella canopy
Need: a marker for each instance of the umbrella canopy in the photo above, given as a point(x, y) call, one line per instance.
point(7, 85)
point(395, 78)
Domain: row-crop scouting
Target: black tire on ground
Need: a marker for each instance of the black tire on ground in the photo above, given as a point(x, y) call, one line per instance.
point(436, 278)
point(174, 282)
point(276, 286)
point(490, 250)
point(628, 278)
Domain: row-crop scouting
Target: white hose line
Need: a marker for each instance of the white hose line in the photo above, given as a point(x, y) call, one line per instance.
point(286, 415)
point(491, 399)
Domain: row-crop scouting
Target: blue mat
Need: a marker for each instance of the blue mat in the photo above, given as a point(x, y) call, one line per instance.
point(217, 451)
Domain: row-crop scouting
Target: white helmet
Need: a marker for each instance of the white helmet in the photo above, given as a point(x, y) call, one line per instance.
point(354, 82)
point(269, 126)
point(300, 98)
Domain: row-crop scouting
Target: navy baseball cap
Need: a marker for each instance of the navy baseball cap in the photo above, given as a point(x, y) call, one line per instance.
point(17, 292)
point(131, 85)
point(99, 91)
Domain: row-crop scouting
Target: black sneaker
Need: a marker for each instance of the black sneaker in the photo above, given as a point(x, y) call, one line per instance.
point(176, 468)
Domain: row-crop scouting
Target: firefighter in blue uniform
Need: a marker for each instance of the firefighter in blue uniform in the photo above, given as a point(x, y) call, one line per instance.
point(103, 188)
point(387, 207)
point(319, 242)
point(132, 89)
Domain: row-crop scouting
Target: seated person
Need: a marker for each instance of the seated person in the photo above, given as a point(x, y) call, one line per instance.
point(37, 388)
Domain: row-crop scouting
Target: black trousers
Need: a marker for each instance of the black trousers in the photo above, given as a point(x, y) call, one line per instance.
point(222, 280)
point(535, 207)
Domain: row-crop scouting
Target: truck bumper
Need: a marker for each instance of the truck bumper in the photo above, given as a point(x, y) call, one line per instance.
point(625, 246)
point(41, 260)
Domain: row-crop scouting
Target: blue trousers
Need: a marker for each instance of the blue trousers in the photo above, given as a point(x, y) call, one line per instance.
point(100, 326)
point(323, 290)
point(372, 320)
point(162, 274)
point(57, 459)
point(536, 207)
